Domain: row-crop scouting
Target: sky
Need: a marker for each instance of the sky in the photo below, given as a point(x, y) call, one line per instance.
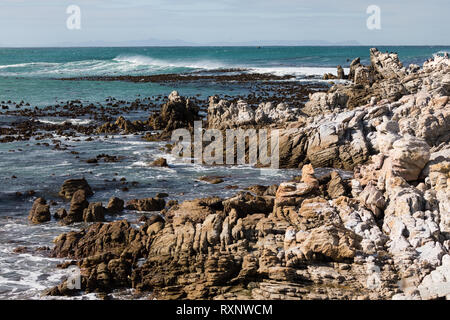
point(43, 22)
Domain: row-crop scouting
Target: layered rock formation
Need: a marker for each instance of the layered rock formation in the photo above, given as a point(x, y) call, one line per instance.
point(383, 234)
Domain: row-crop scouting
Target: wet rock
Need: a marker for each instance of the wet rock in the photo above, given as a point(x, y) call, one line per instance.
point(99, 241)
point(340, 72)
point(95, 212)
point(77, 206)
point(148, 204)
point(212, 179)
point(160, 162)
point(60, 214)
point(223, 114)
point(115, 205)
point(40, 212)
point(70, 186)
point(162, 195)
point(122, 125)
point(177, 113)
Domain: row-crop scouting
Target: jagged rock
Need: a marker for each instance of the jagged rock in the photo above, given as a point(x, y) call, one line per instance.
point(353, 65)
point(390, 238)
point(267, 113)
point(114, 238)
point(95, 212)
point(60, 214)
point(77, 206)
point(363, 76)
point(148, 204)
point(340, 72)
point(386, 65)
point(40, 212)
point(177, 113)
point(70, 186)
point(336, 186)
point(211, 179)
point(321, 102)
point(223, 114)
point(124, 126)
point(115, 205)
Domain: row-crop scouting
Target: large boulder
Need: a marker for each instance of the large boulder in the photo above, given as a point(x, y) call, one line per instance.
point(408, 157)
point(148, 204)
point(176, 113)
point(77, 206)
point(40, 212)
point(115, 205)
point(95, 212)
point(70, 186)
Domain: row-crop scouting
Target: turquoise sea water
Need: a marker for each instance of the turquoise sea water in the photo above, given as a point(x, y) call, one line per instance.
point(28, 74)
point(31, 75)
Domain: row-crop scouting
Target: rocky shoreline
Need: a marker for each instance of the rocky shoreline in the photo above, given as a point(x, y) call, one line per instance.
point(383, 233)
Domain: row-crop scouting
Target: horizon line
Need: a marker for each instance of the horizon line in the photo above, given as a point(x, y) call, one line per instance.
point(193, 46)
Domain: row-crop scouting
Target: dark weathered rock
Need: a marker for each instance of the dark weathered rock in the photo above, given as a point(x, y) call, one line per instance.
point(77, 206)
point(115, 205)
point(177, 113)
point(70, 186)
point(212, 179)
point(148, 204)
point(60, 214)
point(340, 72)
point(95, 212)
point(160, 162)
point(40, 212)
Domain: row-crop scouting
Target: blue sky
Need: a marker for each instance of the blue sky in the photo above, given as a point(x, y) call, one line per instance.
point(43, 22)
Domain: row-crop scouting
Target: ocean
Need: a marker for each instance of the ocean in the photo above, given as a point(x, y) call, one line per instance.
point(33, 75)
point(29, 74)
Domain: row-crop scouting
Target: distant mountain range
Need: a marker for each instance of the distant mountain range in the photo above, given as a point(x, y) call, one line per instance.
point(178, 43)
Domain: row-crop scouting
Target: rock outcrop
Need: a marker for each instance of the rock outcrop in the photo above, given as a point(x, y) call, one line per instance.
point(383, 234)
point(223, 114)
point(148, 204)
point(70, 186)
point(40, 212)
point(122, 125)
point(176, 113)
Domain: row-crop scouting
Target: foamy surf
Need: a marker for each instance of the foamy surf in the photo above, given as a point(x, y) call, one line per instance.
point(298, 71)
point(140, 60)
point(71, 121)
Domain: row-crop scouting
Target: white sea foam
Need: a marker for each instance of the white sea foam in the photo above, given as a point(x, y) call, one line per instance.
point(149, 61)
point(30, 64)
point(126, 64)
point(298, 71)
point(72, 121)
